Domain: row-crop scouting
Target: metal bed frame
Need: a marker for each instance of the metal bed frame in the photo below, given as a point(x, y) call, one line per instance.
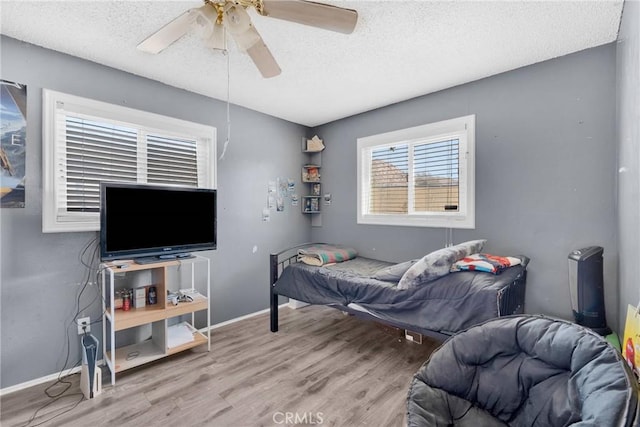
point(510, 300)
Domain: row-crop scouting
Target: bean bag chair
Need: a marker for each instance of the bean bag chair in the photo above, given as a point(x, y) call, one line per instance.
point(524, 370)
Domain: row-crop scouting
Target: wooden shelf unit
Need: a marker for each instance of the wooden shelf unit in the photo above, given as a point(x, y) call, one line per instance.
point(157, 315)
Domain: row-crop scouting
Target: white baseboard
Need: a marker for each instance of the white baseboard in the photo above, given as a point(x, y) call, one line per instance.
point(237, 319)
point(295, 304)
point(54, 376)
point(44, 379)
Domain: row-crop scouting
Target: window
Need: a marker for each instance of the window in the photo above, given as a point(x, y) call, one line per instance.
point(86, 142)
point(421, 176)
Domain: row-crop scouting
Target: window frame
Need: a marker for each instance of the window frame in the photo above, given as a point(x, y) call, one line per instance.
point(462, 128)
point(145, 122)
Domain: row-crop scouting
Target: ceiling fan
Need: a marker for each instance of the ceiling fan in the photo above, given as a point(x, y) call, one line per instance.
point(214, 17)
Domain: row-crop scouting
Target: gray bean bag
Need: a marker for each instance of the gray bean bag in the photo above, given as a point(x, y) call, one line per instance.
point(524, 371)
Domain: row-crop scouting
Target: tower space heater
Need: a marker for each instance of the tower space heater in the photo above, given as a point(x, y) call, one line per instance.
point(587, 289)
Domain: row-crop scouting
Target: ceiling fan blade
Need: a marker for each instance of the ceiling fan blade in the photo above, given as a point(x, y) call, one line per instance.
point(238, 22)
point(171, 32)
point(264, 60)
point(319, 15)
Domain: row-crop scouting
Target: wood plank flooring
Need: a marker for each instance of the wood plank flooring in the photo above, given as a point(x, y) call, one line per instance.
point(321, 368)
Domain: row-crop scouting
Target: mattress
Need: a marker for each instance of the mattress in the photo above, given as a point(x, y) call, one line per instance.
point(449, 304)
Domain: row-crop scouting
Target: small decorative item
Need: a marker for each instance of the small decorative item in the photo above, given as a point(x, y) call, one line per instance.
point(139, 297)
point(310, 173)
point(153, 295)
point(315, 205)
point(315, 189)
point(315, 144)
point(117, 301)
point(126, 300)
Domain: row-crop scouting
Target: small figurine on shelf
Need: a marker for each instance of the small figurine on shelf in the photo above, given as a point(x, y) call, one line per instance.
point(315, 205)
point(153, 296)
point(315, 189)
point(310, 173)
point(307, 205)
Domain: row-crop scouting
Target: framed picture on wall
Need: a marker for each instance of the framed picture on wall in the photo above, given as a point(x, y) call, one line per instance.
point(13, 101)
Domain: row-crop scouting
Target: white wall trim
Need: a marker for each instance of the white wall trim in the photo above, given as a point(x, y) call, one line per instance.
point(464, 130)
point(41, 380)
point(237, 319)
point(54, 376)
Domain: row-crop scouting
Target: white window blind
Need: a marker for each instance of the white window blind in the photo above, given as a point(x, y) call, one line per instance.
point(422, 176)
point(92, 152)
point(389, 180)
point(435, 176)
point(173, 161)
point(429, 185)
point(87, 142)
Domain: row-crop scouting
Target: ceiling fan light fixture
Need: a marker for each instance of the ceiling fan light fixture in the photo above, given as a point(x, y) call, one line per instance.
point(208, 27)
point(217, 39)
point(204, 22)
point(236, 16)
point(238, 22)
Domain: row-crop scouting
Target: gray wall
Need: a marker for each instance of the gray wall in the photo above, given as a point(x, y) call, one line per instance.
point(545, 172)
point(545, 184)
point(40, 272)
point(628, 127)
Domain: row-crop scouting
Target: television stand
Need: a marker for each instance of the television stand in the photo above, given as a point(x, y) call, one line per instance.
point(164, 325)
point(162, 258)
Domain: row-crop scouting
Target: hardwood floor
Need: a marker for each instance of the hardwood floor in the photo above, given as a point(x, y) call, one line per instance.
point(321, 368)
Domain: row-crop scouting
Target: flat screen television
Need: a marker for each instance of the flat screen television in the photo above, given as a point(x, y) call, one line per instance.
point(150, 223)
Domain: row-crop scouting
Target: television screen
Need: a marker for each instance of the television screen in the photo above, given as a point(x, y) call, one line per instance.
point(138, 220)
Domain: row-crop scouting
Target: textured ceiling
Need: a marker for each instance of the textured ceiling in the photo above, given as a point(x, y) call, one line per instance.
point(399, 49)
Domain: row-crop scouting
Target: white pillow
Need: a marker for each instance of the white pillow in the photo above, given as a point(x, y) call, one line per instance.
point(438, 263)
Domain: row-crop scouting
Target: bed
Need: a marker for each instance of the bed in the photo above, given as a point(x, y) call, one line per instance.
point(439, 308)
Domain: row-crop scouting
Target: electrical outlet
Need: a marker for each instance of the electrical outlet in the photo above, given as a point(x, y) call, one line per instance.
point(84, 325)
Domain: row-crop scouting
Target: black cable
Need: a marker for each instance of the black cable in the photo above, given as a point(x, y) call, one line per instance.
point(89, 265)
point(34, 416)
point(62, 379)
